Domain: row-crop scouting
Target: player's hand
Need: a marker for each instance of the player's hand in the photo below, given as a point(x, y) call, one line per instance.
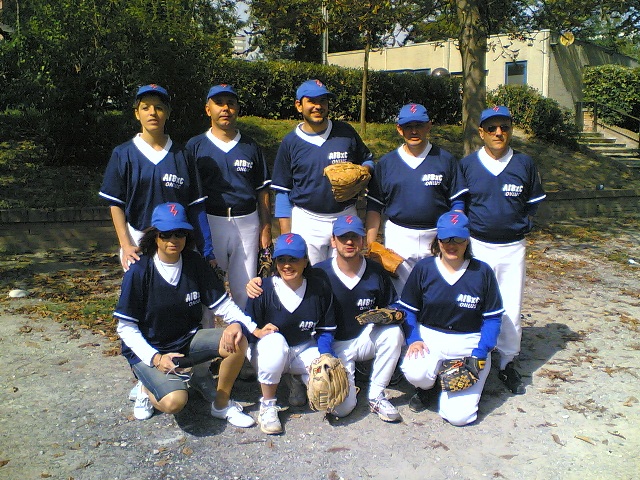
point(231, 337)
point(213, 262)
point(417, 349)
point(129, 256)
point(166, 364)
point(474, 364)
point(254, 287)
point(264, 331)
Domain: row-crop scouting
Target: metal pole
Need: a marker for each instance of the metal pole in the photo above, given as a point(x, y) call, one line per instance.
point(325, 33)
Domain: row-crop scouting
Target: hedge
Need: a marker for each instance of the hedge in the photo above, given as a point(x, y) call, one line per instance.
point(266, 89)
point(536, 114)
point(614, 86)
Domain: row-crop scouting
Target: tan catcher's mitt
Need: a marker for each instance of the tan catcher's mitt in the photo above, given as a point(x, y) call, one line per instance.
point(347, 180)
point(386, 257)
point(460, 373)
point(328, 383)
point(381, 316)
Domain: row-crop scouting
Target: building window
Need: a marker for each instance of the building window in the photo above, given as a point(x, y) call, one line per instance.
point(516, 73)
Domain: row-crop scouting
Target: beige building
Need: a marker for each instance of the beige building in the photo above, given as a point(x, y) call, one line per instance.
point(546, 61)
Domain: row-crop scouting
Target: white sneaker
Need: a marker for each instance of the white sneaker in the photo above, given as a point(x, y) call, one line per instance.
point(133, 393)
point(142, 409)
point(268, 419)
point(385, 410)
point(297, 390)
point(205, 386)
point(233, 414)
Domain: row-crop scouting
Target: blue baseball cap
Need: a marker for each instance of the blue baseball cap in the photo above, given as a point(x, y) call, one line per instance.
point(290, 244)
point(453, 224)
point(153, 89)
point(497, 111)
point(348, 223)
point(413, 112)
point(170, 216)
point(312, 89)
point(222, 88)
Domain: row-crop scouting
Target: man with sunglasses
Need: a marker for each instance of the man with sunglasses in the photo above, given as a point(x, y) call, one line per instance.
point(504, 190)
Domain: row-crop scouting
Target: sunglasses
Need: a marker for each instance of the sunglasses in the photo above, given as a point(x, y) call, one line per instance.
point(173, 233)
point(457, 240)
point(287, 259)
point(494, 128)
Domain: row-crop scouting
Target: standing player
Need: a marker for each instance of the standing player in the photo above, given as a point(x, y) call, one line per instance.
point(304, 200)
point(235, 180)
point(453, 310)
point(147, 171)
point(413, 185)
point(504, 192)
point(359, 285)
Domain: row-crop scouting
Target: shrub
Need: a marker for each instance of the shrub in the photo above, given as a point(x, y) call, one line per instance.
point(537, 115)
point(615, 86)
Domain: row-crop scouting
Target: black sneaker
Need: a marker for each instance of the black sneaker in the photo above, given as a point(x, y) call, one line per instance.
point(512, 379)
point(422, 399)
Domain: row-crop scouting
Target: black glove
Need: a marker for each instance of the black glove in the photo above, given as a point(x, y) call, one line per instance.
point(474, 365)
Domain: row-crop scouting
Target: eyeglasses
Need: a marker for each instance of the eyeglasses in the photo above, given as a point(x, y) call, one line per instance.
point(494, 128)
point(172, 233)
point(287, 259)
point(456, 240)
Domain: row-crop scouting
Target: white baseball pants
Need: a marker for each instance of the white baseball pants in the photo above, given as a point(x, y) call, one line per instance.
point(508, 263)
point(411, 244)
point(380, 343)
point(458, 408)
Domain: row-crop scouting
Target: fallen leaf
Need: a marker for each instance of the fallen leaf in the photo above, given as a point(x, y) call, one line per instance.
point(89, 344)
point(617, 434)
point(25, 329)
point(338, 449)
point(45, 475)
point(521, 410)
point(556, 439)
point(161, 463)
point(630, 401)
point(585, 439)
point(3, 462)
point(507, 457)
point(187, 451)
point(436, 444)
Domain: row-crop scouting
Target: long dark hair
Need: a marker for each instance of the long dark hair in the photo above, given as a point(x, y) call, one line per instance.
point(435, 249)
point(149, 246)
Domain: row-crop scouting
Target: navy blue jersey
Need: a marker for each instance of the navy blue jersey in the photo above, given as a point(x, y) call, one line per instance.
point(415, 198)
point(134, 183)
point(498, 206)
point(315, 313)
point(457, 308)
point(168, 316)
point(299, 166)
point(229, 180)
point(374, 290)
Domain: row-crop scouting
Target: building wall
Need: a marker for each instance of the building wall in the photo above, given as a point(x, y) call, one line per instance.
point(551, 68)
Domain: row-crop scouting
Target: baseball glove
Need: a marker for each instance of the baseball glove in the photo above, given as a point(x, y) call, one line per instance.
point(460, 373)
point(347, 180)
point(386, 257)
point(265, 261)
point(328, 383)
point(381, 316)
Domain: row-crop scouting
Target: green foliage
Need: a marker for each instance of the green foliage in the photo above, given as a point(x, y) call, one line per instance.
point(75, 61)
point(617, 87)
point(535, 114)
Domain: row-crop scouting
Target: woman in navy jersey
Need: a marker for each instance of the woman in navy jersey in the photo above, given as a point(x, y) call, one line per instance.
point(454, 310)
point(159, 314)
point(296, 320)
point(149, 170)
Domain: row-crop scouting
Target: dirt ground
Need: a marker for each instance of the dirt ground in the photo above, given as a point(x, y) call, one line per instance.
point(66, 415)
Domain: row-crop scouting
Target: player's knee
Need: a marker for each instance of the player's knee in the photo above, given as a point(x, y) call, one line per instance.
point(459, 417)
point(173, 402)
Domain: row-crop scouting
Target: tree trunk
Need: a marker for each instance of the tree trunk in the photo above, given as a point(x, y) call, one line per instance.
point(365, 81)
point(473, 48)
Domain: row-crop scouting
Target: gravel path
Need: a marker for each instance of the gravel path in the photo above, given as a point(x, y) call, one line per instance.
point(66, 414)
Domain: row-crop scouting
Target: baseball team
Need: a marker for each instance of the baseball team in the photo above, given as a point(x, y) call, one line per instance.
point(187, 218)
